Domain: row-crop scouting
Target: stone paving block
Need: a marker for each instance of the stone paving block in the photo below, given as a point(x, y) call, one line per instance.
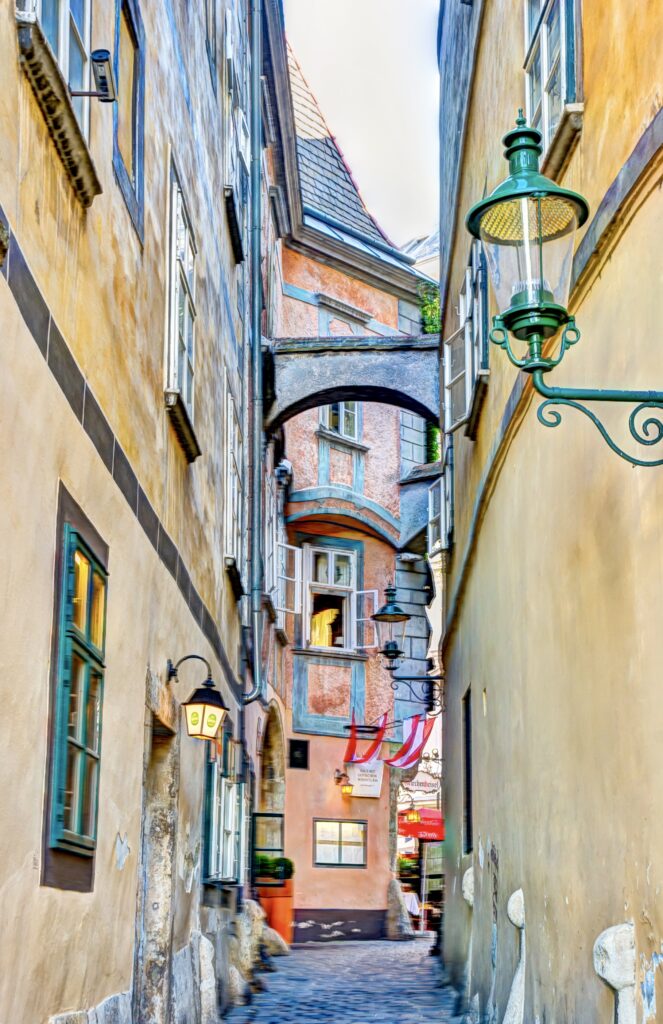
point(337, 984)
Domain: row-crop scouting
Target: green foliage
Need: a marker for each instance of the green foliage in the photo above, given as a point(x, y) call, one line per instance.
point(433, 443)
point(281, 868)
point(429, 295)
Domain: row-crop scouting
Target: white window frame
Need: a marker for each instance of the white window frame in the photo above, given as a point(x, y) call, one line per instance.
point(65, 22)
point(354, 620)
point(225, 827)
point(234, 480)
point(537, 41)
point(182, 281)
point(437, 531)
point(325, 415)
point(271, 535)
point(285, 551)
point(471, 332)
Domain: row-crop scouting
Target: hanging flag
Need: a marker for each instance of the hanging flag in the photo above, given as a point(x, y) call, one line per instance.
point(412, 749)
point(351, 756)
point(409, 732)
point(374, 750)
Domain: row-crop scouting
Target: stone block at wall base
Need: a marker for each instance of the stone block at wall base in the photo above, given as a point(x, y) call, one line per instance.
point(399, 925)
point(115, 1009)
point(332, 925)
point(275, 944)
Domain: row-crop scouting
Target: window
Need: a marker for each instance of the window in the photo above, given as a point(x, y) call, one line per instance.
point(468, 838)
point(79, 697)
point(66, 25)
point(288, 584)
point(339, 844)
point(437, 516)
point(128, 111)
point(271, 532)
point(342, 418)
point(234, 481)
point(182, 322)
point(337, 615)
point(225, 812)
point(210, 35)
point(466, 351)
point(549, 63)
point(298, 754)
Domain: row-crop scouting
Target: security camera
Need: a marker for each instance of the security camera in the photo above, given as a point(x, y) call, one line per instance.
point(104, 79)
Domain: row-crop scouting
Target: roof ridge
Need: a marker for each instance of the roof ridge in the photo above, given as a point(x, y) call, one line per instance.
point(306, 94)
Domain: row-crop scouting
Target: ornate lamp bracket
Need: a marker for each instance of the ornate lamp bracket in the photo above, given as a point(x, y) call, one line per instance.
point(646, 431)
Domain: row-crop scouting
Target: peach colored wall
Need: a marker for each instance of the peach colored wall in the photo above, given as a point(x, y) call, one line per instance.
point(340, 467)
point(306, 273)
point(314, 794)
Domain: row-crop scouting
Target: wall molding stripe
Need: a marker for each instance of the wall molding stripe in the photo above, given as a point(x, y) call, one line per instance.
point(590, 253)
point(76, 389)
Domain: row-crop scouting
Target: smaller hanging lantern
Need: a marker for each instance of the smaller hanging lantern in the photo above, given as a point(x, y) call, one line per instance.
point(413, 815)
point(346, 787)
point(205, 711)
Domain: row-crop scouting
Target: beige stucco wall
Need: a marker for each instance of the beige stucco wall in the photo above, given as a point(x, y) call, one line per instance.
point(91, 933)
point(558, 591)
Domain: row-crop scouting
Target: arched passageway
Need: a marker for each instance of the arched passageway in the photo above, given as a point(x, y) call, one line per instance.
point(307, 372)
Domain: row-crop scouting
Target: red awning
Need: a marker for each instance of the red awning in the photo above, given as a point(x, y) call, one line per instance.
point(430, 827)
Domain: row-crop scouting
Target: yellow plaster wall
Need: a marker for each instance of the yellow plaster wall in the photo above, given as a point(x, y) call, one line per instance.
point(558, 621)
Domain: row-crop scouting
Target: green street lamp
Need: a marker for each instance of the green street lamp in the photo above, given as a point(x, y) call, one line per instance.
point(527, 227)
point(390, 622)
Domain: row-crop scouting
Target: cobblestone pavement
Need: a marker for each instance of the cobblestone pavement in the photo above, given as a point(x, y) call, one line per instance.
point(352, 983)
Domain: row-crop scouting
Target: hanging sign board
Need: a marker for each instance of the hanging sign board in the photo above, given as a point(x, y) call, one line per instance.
point(366, 779)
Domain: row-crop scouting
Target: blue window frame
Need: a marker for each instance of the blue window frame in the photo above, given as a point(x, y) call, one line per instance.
point(78, 697)
point(129, 111)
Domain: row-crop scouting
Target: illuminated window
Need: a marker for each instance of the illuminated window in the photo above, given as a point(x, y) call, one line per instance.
point(340, 844)
point(79, 697)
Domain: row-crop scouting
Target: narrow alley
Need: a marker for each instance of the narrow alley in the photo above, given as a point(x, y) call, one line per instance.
point(353, 983)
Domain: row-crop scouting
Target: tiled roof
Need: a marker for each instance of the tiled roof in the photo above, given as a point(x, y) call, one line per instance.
point(326, 181)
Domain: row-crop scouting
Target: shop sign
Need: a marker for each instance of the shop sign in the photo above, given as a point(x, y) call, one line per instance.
point(366, 779)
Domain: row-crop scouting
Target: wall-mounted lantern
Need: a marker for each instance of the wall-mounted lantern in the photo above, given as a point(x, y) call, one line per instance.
point(205, 709)
point(342, 779)
point(412, 815)
point(527, 227)
point(390, 623)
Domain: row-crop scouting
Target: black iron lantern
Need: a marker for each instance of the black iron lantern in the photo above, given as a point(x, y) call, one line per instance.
point(205, 709)
point(391, 622)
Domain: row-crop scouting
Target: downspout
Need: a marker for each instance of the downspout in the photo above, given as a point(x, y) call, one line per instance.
point(256, 352)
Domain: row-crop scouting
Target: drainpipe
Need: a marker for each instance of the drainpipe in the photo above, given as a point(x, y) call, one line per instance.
point(256, 353)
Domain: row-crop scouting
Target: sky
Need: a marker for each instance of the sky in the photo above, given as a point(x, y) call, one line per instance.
point(372, 65)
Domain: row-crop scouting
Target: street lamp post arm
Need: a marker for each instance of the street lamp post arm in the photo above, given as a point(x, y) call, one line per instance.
point(172, 668)
point(648, 431)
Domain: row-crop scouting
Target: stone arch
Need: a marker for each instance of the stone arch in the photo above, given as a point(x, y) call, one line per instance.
point(272, 775)
point(308, 372)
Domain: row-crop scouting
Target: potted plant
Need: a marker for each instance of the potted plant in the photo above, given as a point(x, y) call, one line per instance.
point(273, 878)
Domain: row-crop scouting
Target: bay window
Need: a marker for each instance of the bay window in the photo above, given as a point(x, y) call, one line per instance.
point(337, 616)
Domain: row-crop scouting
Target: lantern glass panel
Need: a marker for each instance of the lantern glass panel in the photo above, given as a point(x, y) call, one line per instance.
point(528, 242)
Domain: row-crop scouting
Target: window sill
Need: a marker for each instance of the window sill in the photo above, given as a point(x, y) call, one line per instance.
point(563, 142)
point(327, 652)
point(348, 442)
point(182, 425)
point(235, 577)
point(478, 396)
point(52, 95)
point(232, 213)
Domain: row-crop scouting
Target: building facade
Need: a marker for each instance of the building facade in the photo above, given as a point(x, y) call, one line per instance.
point(345, 514)
point(552, 589)
point(135, 312)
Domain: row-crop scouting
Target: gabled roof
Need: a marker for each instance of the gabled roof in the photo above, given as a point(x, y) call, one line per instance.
point(326, 181)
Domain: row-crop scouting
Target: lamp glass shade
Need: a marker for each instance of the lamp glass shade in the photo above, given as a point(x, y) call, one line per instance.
point(205, 712)
point(529, 242)
point(346, 789)
point(413, 816)
point(391, 622)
